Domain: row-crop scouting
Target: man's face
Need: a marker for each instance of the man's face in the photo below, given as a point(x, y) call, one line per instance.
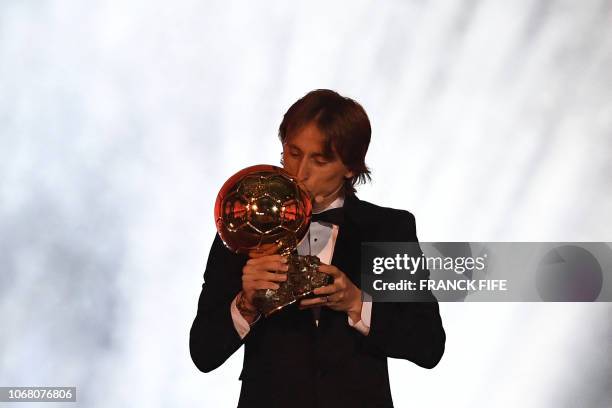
point(304, 158)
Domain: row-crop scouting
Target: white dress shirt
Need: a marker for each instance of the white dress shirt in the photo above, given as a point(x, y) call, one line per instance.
point(320, 241)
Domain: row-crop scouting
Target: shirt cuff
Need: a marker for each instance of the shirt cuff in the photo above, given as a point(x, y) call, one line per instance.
point(240, 323)
point(363, 325)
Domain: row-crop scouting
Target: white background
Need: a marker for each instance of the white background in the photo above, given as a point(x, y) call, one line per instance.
point(120, 120)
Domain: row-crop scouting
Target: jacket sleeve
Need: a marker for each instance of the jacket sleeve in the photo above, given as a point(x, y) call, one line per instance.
point(213, 337)
point(409, 330)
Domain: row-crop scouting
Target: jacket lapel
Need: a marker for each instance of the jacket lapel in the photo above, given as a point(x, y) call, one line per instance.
point(347, 250)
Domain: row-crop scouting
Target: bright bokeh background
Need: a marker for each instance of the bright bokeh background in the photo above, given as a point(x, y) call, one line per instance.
point(120, 120)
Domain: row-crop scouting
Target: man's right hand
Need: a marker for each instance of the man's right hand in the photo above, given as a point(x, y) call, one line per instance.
point(262, 272)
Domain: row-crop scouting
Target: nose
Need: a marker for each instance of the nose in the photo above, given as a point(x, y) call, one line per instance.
point(303, 170)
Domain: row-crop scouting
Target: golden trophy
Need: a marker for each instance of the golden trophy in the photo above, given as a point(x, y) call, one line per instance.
point(263, 208)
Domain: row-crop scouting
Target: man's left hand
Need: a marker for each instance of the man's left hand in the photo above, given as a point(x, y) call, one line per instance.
point(342, 295)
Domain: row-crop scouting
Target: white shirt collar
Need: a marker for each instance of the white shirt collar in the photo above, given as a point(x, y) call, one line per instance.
point(337, 203)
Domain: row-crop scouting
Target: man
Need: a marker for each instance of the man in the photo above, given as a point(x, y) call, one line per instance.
point(331, 350)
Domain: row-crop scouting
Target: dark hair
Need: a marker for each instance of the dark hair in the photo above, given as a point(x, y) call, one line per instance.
point(344, 123)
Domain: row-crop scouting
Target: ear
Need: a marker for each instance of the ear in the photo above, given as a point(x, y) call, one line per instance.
point(349, 175)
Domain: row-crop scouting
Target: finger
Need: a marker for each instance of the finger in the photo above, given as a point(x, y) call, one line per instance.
point(260, 274)
point(325, 290)
point(336, 297)
point(262, 284)
point(308, 307)
point(267, 258)
point(312, 302)
point(264, 250)
point(271, 266)
point(254, 254)
point(265, 276)
point(330, 270)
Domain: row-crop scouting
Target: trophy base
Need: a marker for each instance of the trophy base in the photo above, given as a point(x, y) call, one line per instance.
point(302, 279)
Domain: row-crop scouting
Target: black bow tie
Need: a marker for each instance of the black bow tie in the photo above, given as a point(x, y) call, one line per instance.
point(333, 216)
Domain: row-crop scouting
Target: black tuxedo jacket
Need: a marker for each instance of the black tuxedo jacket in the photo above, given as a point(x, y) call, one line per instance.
point(288, 360)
